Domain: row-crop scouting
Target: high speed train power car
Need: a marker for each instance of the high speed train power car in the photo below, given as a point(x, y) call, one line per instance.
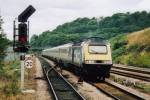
point(92, 55)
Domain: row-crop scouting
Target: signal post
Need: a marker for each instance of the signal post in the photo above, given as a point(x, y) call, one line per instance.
point(21, 38)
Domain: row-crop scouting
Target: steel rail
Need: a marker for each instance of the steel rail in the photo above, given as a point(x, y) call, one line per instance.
point(131, 68)
point(60, 87)
point(130, 91)
point(136, 75)
point(125, 93)
point(51, 86)
point(105, 92)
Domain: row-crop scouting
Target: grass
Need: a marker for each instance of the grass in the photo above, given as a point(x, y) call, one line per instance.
point(140, 37)
point(145, 88)
point(10, 82)
point(132, 49)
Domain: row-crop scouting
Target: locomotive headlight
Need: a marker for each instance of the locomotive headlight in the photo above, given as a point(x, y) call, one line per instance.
point(108, 62)
point(90, 61)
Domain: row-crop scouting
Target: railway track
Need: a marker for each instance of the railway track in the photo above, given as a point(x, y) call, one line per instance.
point(61, 89)
point(117, 92)
point(133, 72)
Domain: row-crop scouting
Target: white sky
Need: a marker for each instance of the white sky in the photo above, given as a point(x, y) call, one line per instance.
point(50, 13)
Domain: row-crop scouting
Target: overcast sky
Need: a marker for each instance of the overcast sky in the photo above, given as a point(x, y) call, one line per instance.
point(50, 13)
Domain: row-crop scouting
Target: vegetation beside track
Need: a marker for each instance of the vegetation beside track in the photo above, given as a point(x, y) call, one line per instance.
point(132, 49)
point(143, 87)
point(9, 76)
point(10, 82)
point(4, 43)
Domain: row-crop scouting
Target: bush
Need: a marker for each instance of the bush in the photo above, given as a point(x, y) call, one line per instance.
point(118, 41)
point(143, 60)
point(129, 59)
point(132, 48)
point(135, 59)
point(10, 75)
point(12, 88)
point(118, 52)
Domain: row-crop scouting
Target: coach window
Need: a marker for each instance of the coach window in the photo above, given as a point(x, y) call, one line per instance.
point(76, 52)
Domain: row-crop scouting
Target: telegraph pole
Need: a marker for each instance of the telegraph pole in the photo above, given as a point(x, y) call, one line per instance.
point(99, 23)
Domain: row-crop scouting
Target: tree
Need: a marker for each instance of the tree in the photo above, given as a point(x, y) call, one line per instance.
point(4, 42)
point(1, 22)
point(33, 39)
point(107, 27)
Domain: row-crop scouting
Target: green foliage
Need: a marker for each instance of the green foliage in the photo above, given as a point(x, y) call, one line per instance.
point(132, 49)
point(12, 87)
point(33, 39)
point(10, 75)
point(4, 42)
point(54, 39)
point(142, 60)
point(9, 70)
point(116, 53)
point(118, 41)
point(137, 48)
point(142, 86)
point(107, 27)
point(118, 46)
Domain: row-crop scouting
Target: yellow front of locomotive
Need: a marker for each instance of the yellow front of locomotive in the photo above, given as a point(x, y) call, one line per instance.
point(97, 54)
point(97, 59)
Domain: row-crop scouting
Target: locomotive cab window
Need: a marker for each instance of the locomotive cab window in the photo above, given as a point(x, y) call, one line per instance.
point(98, 49)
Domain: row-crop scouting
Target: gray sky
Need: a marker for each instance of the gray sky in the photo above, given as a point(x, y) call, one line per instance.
point(50, 13)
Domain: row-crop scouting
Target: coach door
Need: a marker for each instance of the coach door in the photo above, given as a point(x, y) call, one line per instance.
point(72, 55)
point(77, 55)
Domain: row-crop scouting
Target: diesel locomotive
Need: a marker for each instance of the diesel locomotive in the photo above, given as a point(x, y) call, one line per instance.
point(92, 56)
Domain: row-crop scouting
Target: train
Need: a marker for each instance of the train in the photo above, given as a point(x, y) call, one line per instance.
point(91, 57)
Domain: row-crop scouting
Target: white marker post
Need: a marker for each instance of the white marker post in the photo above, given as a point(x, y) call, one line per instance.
point(22, 58)
point(28, 64)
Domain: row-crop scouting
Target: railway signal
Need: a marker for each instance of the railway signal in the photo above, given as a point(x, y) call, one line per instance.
point(23, 17)
point(21, 38)
point(21, 34)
